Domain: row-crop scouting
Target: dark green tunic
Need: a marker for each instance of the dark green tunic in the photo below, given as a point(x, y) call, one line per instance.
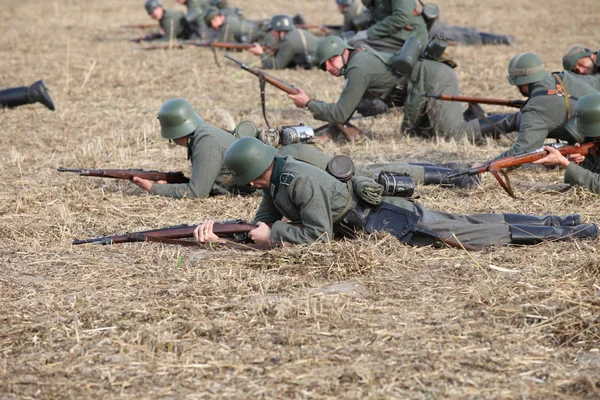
point(297, 48)
point(240, 30)
point(172, 23)
point(391, 19)
point(207, 151)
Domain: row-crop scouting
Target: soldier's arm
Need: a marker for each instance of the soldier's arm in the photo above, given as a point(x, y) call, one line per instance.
point(579, 175)
point(314, 203)
point(282, 58)
point(402, 11)
point(267, 212)
point(207, 162)
point(532, 134)
point(355, 86)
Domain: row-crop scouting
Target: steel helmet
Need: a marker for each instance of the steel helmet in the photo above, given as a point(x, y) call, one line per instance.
point(526, 68)
point(329, 47)
point(574, 54)
point(247, 159)
point(178, 119)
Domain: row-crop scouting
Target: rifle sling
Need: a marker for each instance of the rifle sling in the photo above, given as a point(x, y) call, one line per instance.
point(504, 183)
point(215, 55)
point(261, 81)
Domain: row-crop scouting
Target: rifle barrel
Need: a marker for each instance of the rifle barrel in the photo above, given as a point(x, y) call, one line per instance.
point(481, 100)
point(63, 169)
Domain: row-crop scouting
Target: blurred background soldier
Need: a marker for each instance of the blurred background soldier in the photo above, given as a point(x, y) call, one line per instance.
point(234, 28)
point(195, 13)
point(326, 206)
point(551, 99)
point(469, 35)
point(173, 24)
point(295, 47)
point(394, 21)
point(581, 60)
point(585, 126)
point(356, 16)
point(206, 145)
point(18, 96)
point(223, 6)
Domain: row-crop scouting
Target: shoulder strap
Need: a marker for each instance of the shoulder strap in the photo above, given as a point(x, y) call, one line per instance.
point(561, 90)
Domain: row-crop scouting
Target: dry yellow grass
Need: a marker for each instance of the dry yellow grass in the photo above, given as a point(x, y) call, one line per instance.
point(157, 321)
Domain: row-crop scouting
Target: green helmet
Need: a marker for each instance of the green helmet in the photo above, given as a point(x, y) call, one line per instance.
point(586, 123)
point(177, 119)
point(151, 5)
point(526, 68)
point(574, 54)
point(281, 22)
point(210, 13)
point(329, 47)
point(247, 159)
point(246, 128)
point(344, 3)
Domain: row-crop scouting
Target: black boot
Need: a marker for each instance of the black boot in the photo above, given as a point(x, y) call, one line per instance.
point(439, 176)
point(491, 39)
point(533, 234)
point(36, 93)
point(498, 124)
point(547, 220)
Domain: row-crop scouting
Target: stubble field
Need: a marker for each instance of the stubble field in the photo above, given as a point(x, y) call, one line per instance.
point(368, 318)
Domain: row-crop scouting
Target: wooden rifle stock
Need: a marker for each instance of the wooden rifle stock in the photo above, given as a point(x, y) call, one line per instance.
point(347, 129)
point(169, 177)
point(207, 44)
point(139, 26)
point(496, 167)
point(480, 100)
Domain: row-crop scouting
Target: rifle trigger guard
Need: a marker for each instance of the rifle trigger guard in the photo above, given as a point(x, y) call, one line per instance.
point(505, 183)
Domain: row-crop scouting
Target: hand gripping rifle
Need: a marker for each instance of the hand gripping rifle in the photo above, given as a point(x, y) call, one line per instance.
point(235, 230)
point(347, 129)
point(496, 167)
point(169, 177)
point(480, 100)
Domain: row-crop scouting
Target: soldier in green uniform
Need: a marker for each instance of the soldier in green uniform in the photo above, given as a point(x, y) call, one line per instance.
point(295, 47)
point(550, 100)
point(224, 8)
point(233, 28)
point(18, 96)
point(206, 146)
point(581, 60)
point(173, 24)
point(326, 206)
point(356, 16)
point(394, 22)
point(195, 12)
point(582, 171)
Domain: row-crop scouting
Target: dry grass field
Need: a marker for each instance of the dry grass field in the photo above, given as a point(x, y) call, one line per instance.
point(368, 318)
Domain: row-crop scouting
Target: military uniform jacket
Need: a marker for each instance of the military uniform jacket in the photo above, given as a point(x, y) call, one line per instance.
point(297, 48)
point(585, 174)
point(240, 30)
point(206, 152)
point(366, 72)
point(391, 19)
point(173, 26)
point(428, 77)
point(195, 10)
point(305, 153)
point(356, 17)
point(302, 193)
point(545, 116)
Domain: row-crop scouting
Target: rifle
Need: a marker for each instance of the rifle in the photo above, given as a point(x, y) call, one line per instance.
point(147, 38)
point(235, 230)
point(139, 26)
point(326, 28)
point(347, 129)
point(169, 177)
point(480, 100)
point(496, 167)
point(209, 44)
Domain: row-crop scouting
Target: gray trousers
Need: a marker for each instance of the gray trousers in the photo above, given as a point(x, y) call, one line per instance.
point(478, 230)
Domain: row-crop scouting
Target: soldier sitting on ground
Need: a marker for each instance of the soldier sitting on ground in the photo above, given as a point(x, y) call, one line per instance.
point(583, 171)
point(173, 24)
point(294, 47)
point(326, 206)
point(581, 60)
point(234, 28)
point(18, 96)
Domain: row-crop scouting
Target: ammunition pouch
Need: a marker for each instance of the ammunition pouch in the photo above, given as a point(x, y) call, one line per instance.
point(351, 222)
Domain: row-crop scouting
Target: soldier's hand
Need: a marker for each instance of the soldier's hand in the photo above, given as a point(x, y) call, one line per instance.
point(261, 234)
point(257, 49)
point(553, 158)
point(145, 184)
point(204, 233)
point(300, 99)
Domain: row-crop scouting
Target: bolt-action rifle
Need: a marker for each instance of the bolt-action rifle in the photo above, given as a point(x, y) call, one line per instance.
point(325, 28)
point(347, 129)
point(496, 167)
point(235, 231)
point(209, 44)
point(480, 100)
point(147, 38)
point(169, 177)
point(139, 26)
